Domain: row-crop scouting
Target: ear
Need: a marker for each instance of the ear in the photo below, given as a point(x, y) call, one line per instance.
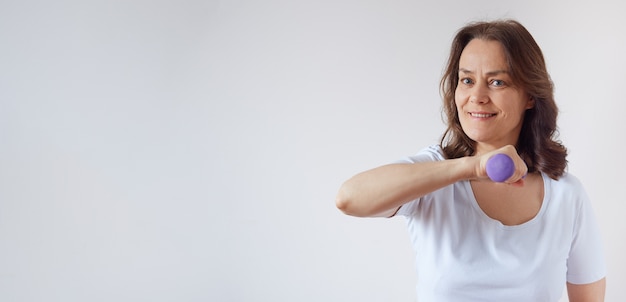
point(531, 103)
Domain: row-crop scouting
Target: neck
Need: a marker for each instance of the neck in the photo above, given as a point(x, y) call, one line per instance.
point(482, 148)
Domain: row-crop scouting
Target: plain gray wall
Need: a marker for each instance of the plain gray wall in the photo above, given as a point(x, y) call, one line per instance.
point(191, 150)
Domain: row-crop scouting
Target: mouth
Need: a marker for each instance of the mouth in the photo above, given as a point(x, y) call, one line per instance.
point(481, 114)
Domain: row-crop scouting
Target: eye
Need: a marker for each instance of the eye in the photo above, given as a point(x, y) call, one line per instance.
point(497, 83)
point(466, 81)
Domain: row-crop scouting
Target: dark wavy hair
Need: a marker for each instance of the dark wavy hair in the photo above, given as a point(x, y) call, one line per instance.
point(537, 144)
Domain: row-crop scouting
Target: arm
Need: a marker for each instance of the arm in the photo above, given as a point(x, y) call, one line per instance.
point(592, 292)
point(381, 191)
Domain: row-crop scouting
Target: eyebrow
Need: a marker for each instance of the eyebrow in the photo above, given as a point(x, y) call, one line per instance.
point(489, 73)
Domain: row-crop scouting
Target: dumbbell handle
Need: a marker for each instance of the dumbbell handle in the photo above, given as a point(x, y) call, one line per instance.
point(500, 167)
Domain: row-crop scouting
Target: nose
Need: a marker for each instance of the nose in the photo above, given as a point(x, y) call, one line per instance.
point(479, 95)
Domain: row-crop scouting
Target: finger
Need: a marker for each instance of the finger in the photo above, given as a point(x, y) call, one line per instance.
point(519, 183)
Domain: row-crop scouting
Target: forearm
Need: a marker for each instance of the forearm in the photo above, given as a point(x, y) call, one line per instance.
point(592, 292)
point(386, 188)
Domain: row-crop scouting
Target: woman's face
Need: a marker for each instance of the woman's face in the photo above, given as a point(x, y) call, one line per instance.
point(490, 107)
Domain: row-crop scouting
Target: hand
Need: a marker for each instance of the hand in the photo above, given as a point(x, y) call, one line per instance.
point(520, 168)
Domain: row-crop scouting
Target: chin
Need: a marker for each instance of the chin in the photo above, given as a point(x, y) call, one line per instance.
point(476, 135)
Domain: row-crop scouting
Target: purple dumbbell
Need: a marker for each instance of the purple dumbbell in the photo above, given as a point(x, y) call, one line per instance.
point(500, 167)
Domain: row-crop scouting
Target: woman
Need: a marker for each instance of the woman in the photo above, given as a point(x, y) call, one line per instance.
point(475, 239)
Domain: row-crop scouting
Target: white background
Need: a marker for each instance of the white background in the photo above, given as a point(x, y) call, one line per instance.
point(192, 150)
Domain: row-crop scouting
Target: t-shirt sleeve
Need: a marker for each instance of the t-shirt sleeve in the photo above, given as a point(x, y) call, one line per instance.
point(586, 262)
point(429, 154)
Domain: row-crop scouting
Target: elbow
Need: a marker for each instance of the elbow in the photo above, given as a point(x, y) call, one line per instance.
point(348, 204)
point(343, 203)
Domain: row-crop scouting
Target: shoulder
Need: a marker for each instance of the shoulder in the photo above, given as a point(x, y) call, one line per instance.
point(428, 154)
point(567, 192)
point(569, 179)
point(568, 183)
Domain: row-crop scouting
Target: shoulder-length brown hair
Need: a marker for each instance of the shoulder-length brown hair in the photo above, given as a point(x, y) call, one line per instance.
point(537, 144)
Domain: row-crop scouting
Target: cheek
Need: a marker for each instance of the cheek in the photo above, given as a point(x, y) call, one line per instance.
point(459, 99)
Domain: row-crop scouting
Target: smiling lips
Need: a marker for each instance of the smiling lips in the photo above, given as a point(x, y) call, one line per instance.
point(481, 114)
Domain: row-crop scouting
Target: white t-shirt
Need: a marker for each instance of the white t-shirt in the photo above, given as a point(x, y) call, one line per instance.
point(464, 255)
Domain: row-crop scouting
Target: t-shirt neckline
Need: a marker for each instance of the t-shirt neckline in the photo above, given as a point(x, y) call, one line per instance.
point(546, 193)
